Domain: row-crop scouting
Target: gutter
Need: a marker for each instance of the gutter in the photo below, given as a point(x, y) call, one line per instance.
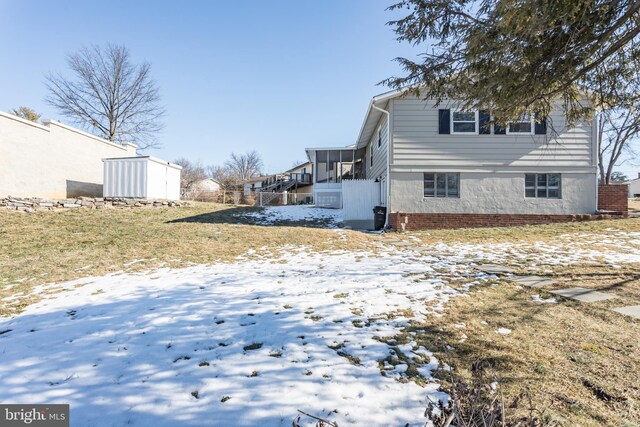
point(388, 180)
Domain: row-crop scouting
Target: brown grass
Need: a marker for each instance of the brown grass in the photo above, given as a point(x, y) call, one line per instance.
point(579, 361)
point(525, 234)
point(47, 246)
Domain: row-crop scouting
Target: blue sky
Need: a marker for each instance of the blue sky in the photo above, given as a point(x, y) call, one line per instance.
point(274, 76)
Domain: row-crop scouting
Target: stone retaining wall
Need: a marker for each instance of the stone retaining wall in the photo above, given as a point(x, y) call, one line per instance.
point(34, 204)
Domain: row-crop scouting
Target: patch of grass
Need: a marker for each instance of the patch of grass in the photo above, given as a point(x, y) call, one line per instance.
point(577, 355)
point(341, 295)
point(352, 359)
point(527, 233)
point(254, 346)
point(55, 246)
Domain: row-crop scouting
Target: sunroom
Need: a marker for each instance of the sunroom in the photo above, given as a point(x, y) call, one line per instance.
point(332, 165)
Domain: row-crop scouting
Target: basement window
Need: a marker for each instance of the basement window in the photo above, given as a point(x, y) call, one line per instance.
point(441, 185)
point(542, 185)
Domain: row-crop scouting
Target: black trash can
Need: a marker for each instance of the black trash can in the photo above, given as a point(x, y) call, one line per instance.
point(379, 216)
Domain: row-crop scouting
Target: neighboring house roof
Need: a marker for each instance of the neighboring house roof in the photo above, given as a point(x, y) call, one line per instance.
point(206, 180)
point(297, 167)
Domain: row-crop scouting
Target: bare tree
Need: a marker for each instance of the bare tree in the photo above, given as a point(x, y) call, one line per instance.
point(223, 176)
point(618, 130)
point(191, 173)
point(616, 89)
point(26, 113)
point(109, 95)
point(237, 170)
point(244, 166)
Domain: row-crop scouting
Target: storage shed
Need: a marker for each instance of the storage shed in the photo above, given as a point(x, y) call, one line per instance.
point(142, 177)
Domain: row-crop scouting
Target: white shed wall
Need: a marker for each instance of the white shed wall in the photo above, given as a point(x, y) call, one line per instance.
point(141, 177)
point(125, 178)
point(173, 183)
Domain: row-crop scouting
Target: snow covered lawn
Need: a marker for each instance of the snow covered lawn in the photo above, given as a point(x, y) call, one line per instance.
point(239, 344)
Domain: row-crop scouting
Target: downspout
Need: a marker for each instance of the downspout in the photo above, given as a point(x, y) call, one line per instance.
point(596, 157)
point(388, 180)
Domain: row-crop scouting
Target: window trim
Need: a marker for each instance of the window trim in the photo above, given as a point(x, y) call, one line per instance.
point(531, 132)
point(477, 122)
point(435, 185)
point(379, 137)
point(546, 187)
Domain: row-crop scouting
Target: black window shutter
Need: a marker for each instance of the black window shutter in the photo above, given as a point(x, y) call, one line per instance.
point(499, 130)
point(541, 128)
point(484, 119)
point(444, 121)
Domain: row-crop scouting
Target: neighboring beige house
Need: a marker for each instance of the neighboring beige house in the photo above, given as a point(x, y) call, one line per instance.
point(52, 160)
point(303, 176)
point(207, 185)
point(205, 189)
point(634, 187)
point(439, 164)
point(254, 184)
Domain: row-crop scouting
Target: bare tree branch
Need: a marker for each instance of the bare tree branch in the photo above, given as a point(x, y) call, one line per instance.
point(109, 96)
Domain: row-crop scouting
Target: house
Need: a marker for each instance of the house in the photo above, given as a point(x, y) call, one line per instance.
point(52, 160)
point(293, 186)
point(302, 176)
point(634, 187)
point(437, 166)
point(254, 184)
point(207, 185)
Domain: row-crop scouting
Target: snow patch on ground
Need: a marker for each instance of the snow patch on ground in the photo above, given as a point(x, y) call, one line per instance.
point(297, 213)
point(239, 344)
point(538, 298)
point(623, 247)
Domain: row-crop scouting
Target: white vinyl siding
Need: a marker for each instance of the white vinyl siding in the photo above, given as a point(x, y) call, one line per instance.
point(379, 152)
point(417, 145)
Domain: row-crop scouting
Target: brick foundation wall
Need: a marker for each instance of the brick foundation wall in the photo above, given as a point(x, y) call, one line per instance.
point(613, 198)
point(416, 221)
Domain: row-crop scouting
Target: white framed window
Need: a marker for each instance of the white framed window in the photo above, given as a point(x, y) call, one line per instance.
point(526, 126)
point(542, 185)
point(441, 185)
point(464, 122)
point(379, 138)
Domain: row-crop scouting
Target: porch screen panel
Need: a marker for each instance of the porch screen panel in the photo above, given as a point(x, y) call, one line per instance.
point(347, 164)
point(334, 166)
point(321, 164)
